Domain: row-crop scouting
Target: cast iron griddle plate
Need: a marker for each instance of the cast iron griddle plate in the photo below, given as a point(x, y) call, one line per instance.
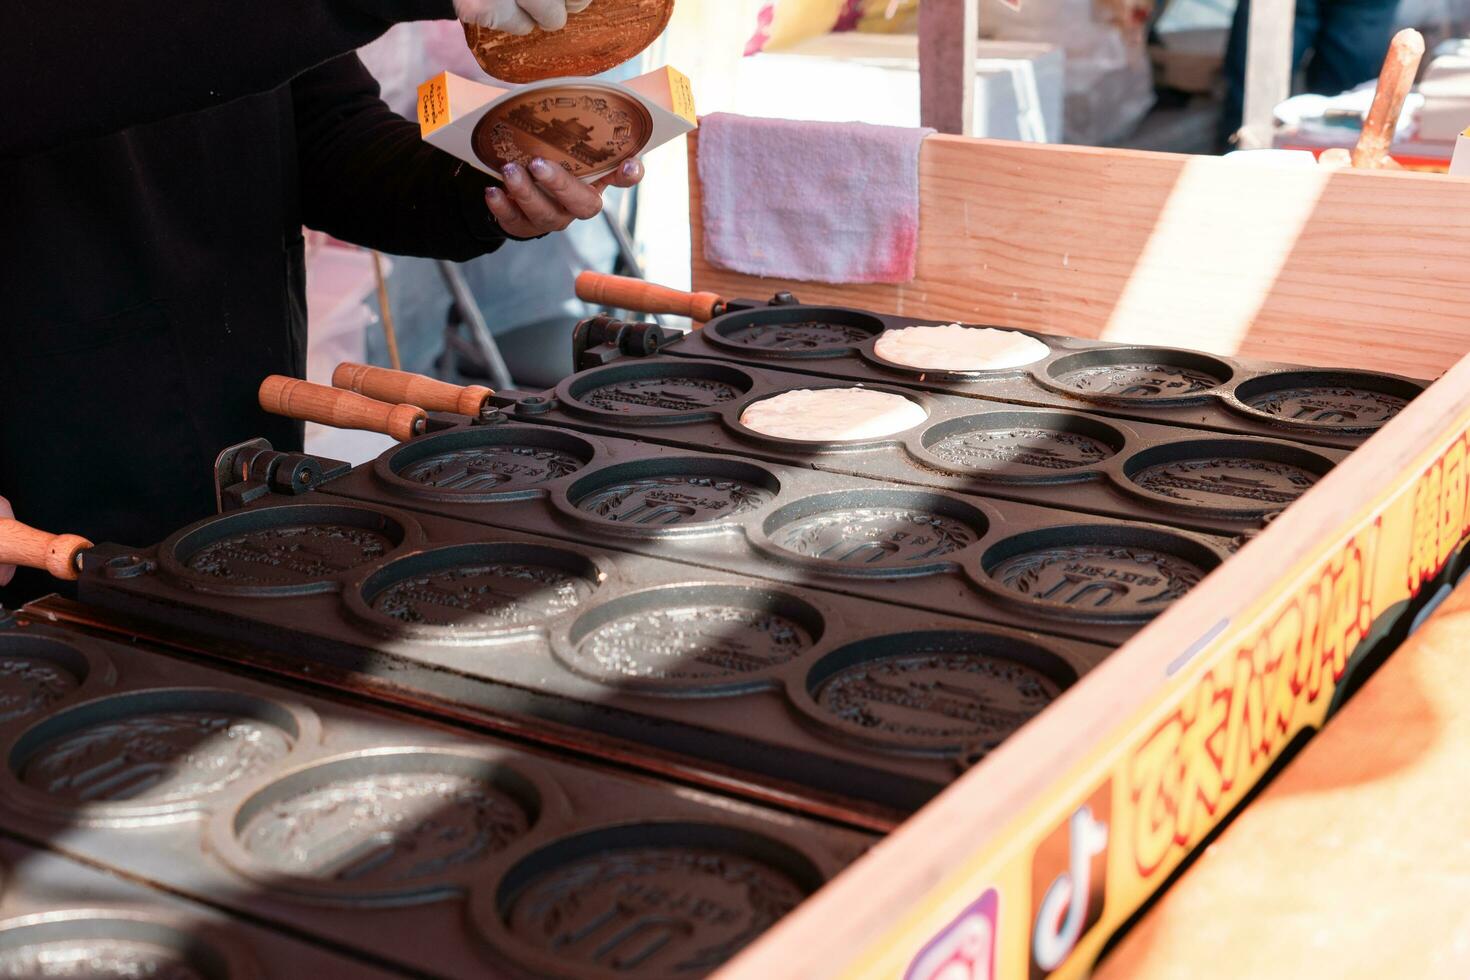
point(907, 545)
point(694, 661)
point(1203, 481)
point(417, 847)
point(1179, 387)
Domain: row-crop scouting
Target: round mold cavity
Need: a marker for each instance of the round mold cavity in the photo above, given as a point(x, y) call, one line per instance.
point(793, 332)
point(1232, 475)
point(482, 463)
point(658, 392)
point(935, 692)
point(657, 901)
point(118, 944)
point(700, 639)
point(876, 531)
point(153, 753)
point(272, 551)
point(36, 672)
point(1129, 375)
point(658, 494)
point(1043, 445)
point(1091, 572)
point(1328, 401)
point(404, 825)
point(474, 591)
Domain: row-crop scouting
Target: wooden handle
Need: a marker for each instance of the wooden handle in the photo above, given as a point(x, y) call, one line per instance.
point(343, 409)
point(407, 388)
point(27, 547)
point(623, 293)
point(1399, 68)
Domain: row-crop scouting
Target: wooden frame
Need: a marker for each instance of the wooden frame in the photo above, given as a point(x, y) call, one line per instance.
point(1157, 745)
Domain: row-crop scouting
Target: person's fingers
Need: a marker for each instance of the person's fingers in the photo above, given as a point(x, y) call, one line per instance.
point(550, 14)
point(508, 214)
point(569, 193)
point(541, 210)
point(7, 572)
point(629, 174)
point(577, 6)
point(515, 21)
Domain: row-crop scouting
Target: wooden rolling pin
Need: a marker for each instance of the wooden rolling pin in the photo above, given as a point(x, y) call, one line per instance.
point(58, 554)
point(1394, 82)
point(343, 409)
point(623, 293)
point(407, 388)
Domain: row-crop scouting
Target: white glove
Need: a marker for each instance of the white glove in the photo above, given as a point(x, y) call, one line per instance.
point(518, 16)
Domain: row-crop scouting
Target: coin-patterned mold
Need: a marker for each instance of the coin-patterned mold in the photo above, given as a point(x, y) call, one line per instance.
point(957, 693)
point(1151, 375)
point(660, 901)
point(735, 647)
point(655, 392)
point(470, 592)
point(1324, 401)
point(798, 332)
point(1148, 384)
point(401, 825)
point(692, 639)
point(1104, 574)
point(1020, 445)
point(482, 463)
point(885, 532)
point(667, 493)
point(125, 944)
point(37, 674)
point(908, 545)
point(288, 551)
point(1253, 479)
point(382, 834)
point(60, 917)
point(1066, 458)
point(154, 754)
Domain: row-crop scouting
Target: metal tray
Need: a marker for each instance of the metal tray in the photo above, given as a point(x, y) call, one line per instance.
point(764, 678)
point(1327, 407)
point(61, 918)
point(769, 521)
point(1203, 481)
point(429, 851)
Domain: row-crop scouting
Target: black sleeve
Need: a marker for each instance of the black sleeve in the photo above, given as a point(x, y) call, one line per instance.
point(78, 71)
point(368, 178)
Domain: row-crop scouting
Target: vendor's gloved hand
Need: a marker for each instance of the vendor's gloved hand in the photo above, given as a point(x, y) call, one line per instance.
point(549, 199)
point(7, 572)
point(518, 16)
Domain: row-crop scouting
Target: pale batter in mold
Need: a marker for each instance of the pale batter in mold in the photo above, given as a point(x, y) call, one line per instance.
point(959, 348)
point(832, 414)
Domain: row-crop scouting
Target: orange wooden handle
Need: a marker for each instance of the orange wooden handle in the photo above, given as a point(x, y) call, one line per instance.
point(343, 409)
point(407, 388)
point(27, 547)
point(1399, 68)
point(623, 293)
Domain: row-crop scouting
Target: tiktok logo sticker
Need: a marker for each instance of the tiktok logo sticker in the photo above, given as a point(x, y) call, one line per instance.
point(1069, 883)
point(965, 950)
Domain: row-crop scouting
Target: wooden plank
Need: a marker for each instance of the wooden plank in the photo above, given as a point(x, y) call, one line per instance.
point(1335, 268)
point(1353, 862)
point(1267, 69)
point(949, 33)
point(1351, 549)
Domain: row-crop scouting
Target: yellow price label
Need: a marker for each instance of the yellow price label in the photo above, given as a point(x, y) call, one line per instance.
point(434, 104)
